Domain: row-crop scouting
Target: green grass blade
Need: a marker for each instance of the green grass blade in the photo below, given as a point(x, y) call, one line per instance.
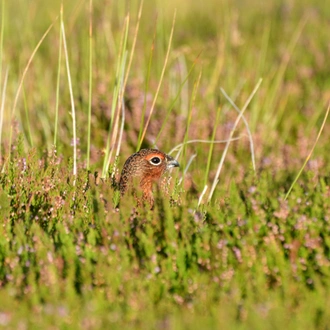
point(73, 109)
point(159, 84)
point(216, 179)
point(90, 83)
point(310, 153)
point(58, 80)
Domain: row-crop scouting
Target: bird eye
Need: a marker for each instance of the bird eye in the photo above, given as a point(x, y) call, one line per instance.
point(155, 161)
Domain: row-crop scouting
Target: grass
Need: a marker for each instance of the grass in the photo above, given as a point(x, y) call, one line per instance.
point(227, 246)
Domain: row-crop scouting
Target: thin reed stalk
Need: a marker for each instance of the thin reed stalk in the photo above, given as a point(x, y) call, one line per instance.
point(309, 155)
point(1, 38)
point(2, 110)
point(179, 146)
point(200, 199)
point(58, 80)
point(246, 125)
point(209, 157)
point(189, 117)
point(146, 86)
point(279, 77)
point(90, 83)
point(27, 120)
point(118, 132)
point(121, 130)
point(159, 84)
point(116, 124)
point(216, 179)
point(22, 80)
point(73, 110)
point(119, 79)
point(175, 99)
point(185, 171)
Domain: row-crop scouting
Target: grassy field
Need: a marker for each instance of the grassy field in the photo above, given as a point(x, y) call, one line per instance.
point(237, 91)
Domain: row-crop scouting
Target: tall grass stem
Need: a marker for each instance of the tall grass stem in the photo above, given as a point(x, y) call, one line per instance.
point(58, 80)
point(279, 77)
point(309, 155)
point(246, 125)
point(1, 38)
point(114, 120)
point(189, 118)
point(27, 120)
point(216, 179)
point(118, 132)
point(175, 99)
point(90, 83)
point(22, 80)
point(159, 84)
point(209, 157)
point(2, 109)
point(73, 110)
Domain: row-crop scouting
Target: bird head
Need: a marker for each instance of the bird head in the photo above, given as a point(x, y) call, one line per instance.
point(155, 163)
point(146, 166)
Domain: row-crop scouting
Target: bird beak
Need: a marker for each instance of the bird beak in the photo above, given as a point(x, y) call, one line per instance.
point(172, 163)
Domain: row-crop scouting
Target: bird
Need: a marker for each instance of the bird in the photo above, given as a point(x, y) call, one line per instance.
point(146, 167)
